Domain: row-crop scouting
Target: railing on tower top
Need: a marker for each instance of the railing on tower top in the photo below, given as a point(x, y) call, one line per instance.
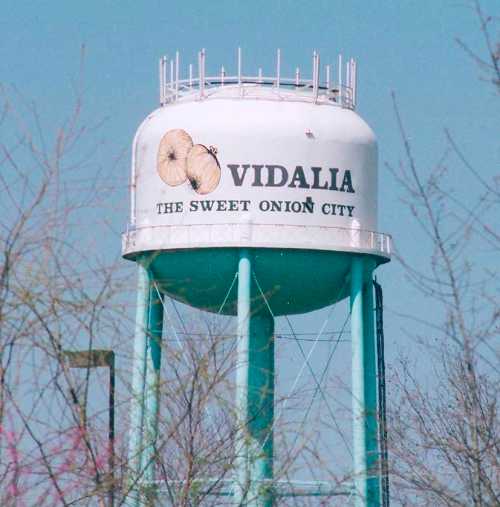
point(319, 89)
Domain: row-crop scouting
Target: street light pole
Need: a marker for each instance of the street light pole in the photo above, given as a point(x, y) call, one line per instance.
point(111, 430)
point(95, 359)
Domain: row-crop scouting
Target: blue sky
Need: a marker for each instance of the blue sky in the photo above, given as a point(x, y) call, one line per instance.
point(408, 47)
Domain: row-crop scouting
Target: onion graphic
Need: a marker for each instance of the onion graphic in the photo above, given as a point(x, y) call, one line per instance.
point(203, 169)
point(172, 156)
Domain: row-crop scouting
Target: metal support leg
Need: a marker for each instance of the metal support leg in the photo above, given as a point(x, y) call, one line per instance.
point(364, 385)
point(145, 381)
point(138, 384)
point(261, 408)
point(152, 386)
point(254, 397)
point(242, 476)
point(371, 385)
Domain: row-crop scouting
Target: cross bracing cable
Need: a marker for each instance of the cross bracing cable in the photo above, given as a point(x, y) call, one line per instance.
point(167, 314)
point(304, 364)
point(182, 351)
point(322, 378)
point(228, 293)
point(185, 332)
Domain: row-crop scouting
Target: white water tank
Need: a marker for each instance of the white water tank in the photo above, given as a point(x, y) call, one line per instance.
point(284, 167)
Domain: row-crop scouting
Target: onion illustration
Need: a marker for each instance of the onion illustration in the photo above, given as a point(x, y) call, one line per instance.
point(172, 156)
point(203, 169)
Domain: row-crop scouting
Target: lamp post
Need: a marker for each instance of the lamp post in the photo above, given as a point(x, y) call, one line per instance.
point(96, 359)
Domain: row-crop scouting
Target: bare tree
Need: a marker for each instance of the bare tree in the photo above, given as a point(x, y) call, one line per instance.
point(445, 440)
point(56, 293)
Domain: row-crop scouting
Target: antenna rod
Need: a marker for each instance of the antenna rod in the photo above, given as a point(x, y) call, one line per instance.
point(348, 74)
point(239, 66)
point(165, 78)
point(176, 74)
point(354, 82)
point(315, 75)
point(200, 78)
point(160, 70)
point(203, 68)
point(340, 79)
point(278, 67)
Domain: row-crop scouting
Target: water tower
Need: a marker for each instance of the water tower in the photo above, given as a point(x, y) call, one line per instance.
point(268, 185)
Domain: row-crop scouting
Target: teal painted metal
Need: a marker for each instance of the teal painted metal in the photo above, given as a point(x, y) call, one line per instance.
point(138, 382)
point(364, 397)
point(152, 384)
point(145, 383)
point(261, 408)
point(370, 385)
point(294, 281)
point(254, 394)
point(253, 482)
point(242, 476)
point(384, 460)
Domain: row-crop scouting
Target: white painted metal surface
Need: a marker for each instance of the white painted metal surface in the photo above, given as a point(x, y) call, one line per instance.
point(280, 165)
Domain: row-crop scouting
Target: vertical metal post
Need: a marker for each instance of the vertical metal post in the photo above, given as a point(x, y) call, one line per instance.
point(314, 74)
point(160, 72)
point(200, 75)
point(317, 81)
point(111, 430)
point(138, 383)
point(239, 66)
point(348, 77)
point(382, 421)
point(145, 386)
point(364, 387)
point(371, 388)
point(242, 476)
point(254, 397)
point(340, 79)
point(98, 358)
point(261, 408)
point(354, 82)
point(152, 385)
point(176, 75)
point(278, 68)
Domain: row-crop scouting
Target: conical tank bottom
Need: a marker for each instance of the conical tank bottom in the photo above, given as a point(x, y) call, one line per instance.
point(293, 281)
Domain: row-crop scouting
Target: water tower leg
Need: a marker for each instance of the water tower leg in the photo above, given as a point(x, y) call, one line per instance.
point(254, 396)
point(364, 386)
point(152, 386)
point(138, 378)
point(242, 472)
point(145, 377)
point(261, 407)
point(371, 386)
